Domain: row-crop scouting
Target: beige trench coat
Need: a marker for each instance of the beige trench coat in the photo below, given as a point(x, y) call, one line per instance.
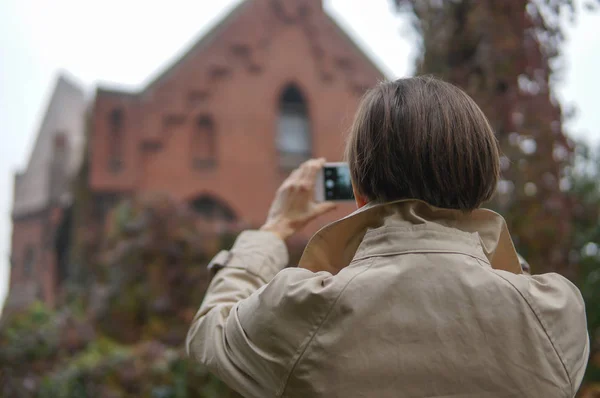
point(396, 300)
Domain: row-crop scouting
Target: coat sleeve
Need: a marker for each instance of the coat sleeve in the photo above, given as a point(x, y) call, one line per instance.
point(254, 320)
point(560, 310)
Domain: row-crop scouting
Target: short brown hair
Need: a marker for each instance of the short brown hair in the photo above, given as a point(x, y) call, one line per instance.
point(422, 138)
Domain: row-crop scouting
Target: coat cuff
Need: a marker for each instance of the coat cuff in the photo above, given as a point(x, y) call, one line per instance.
point(261, 253)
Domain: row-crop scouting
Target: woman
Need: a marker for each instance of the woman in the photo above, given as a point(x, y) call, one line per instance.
point(419, 293)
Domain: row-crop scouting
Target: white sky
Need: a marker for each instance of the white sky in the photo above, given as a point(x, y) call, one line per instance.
point(128, 42)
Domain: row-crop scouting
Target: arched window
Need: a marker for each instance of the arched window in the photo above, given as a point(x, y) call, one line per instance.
point(293, 133)
point(204, 146)
point(28, 260)
point(62, 244)
point(115, 140)
point(212, 208)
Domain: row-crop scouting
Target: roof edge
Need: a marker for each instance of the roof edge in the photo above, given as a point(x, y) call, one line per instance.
point(207, 36)
point(364, 52)
point(60, 81)
point(100, 90)
point(202, 39)
point(67, 78)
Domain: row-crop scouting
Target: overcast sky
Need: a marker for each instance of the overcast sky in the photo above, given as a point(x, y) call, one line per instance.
point(127, 42)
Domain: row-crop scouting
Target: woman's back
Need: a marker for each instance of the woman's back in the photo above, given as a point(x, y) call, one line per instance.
point(423, 314)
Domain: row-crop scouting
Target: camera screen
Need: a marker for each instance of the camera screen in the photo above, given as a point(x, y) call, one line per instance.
point(338, 185)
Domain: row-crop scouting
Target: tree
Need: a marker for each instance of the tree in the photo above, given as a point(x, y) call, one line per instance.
point(503, 53)
point(584, 178)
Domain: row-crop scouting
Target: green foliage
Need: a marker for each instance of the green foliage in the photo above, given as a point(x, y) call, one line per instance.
point(121, 333)
point(152, 270)
point(145, 370)
point(585, 188)
point(71, 379)
point(31, 335)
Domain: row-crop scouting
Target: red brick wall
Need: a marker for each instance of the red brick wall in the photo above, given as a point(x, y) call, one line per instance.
point(236, 76)
point(30, 233)
point(25, 233)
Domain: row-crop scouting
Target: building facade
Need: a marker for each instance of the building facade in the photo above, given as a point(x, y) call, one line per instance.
point(274, 83)
point(42, 191)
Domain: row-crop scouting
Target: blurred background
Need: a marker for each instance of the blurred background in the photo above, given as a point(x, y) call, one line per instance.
point(139, 138)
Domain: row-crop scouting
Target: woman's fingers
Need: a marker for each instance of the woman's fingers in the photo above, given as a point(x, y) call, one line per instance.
point(313, 169)
point(310, 168)
point(294, 206)
point(320, 209)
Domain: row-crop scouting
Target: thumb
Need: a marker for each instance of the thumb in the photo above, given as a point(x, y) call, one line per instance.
point(316, 211)
point(323, 208)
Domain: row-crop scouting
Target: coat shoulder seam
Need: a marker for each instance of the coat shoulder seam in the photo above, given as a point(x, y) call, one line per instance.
point(544, 329)
point(308, 340)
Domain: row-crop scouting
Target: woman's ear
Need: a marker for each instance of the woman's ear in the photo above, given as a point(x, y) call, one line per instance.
point(360, 200)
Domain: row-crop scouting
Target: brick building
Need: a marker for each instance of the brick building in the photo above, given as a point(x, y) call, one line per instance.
point(274, 83)
point(41, 192)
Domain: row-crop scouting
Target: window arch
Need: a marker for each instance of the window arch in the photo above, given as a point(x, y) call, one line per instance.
point(293, 128)
point(28, 260)
point(115, 140)
point(204, 145)
point(212, 208)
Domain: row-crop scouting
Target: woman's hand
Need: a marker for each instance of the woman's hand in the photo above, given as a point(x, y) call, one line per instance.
point(294, 205)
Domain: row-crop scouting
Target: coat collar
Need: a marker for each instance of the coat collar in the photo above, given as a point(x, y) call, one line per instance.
point(335, 246)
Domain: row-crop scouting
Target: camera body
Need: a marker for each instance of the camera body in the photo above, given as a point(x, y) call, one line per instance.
point(334, 183)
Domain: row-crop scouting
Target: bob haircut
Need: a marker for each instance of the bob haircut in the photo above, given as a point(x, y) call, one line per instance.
point(422, 138)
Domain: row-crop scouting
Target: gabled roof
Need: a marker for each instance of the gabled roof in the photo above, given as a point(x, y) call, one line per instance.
point(369, 57)
point(203, 41)
point(206, 38)
point(64, 114)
